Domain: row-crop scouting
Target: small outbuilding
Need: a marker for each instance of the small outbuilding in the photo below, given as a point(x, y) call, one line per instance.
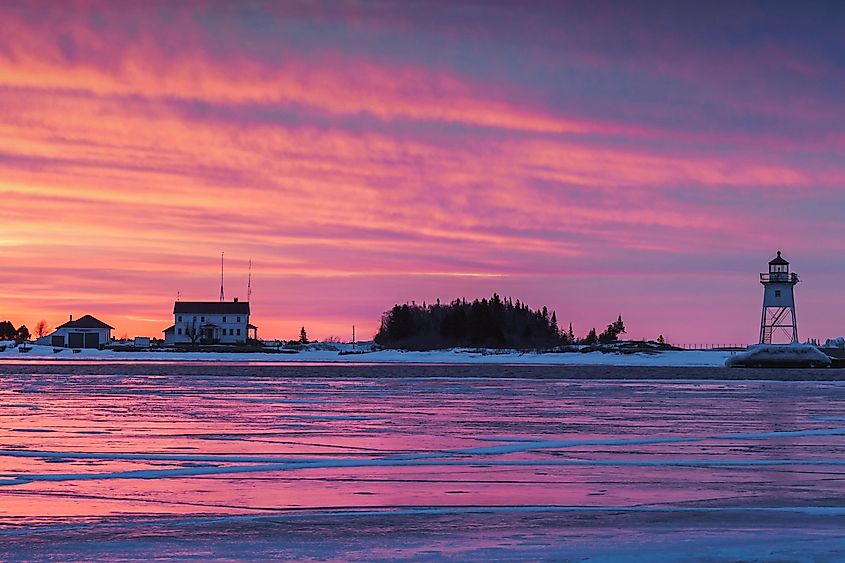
point(84, 332)
point(170, 335)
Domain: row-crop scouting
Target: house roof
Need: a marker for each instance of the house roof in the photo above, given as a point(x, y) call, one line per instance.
point(212, 307)
point(86, 321)
point(171, 328)
point(778, 261)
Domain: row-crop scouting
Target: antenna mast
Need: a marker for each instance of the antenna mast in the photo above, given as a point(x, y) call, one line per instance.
point(249, 282)
point(222, 296)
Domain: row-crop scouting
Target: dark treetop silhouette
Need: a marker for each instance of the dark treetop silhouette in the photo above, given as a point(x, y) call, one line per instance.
point(491, 323)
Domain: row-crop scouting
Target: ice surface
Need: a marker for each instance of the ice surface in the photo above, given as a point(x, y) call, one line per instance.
point(229, 465)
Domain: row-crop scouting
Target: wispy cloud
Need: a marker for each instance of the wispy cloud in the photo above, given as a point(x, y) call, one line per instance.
point(364, 154)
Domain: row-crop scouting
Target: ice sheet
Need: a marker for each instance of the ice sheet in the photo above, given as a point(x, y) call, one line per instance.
point(229, 465)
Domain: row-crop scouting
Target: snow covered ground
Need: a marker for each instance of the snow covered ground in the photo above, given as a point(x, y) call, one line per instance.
point(454, 356)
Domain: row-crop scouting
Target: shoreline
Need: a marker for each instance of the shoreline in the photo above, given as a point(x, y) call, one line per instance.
point(454, 356)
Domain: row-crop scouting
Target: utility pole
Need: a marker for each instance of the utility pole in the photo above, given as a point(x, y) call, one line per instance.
point(353, 337)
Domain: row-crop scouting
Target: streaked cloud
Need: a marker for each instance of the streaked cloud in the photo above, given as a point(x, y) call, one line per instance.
point(363, 154)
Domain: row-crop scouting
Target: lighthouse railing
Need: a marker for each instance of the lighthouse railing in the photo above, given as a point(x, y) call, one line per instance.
point(785, 277)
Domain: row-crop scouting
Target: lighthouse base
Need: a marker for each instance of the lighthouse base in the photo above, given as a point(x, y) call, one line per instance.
point(793, 355)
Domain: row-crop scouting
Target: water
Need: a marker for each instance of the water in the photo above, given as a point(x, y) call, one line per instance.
point(111, 463)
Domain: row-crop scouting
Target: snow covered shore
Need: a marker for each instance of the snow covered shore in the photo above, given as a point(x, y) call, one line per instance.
point(453, 356)
point(780, 355)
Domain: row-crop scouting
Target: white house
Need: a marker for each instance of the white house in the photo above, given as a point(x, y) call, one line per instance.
point(210, 322)
point(84, 332)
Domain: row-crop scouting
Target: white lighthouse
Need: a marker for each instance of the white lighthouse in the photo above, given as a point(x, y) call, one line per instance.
point(778, 302)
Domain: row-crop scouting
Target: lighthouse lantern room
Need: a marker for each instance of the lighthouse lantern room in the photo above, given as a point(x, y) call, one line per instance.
point(778, 320)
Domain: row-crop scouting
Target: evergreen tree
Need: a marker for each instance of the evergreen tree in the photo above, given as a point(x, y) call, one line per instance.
point(303, 336)
point(22, 334)
point(591, 337)
point(7, 330)
point(494, 322)
point(614, 329)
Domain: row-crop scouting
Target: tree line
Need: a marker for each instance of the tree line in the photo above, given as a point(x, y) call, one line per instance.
point(488, 323)
point(9, 332)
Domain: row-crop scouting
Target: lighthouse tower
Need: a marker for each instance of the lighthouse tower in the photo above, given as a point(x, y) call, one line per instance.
point(778, 318)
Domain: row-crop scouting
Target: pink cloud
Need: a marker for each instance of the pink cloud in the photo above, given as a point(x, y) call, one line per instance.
point(126, 167)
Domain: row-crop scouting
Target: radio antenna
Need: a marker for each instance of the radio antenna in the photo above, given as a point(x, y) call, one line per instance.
point(249, 282)
point(222, 295)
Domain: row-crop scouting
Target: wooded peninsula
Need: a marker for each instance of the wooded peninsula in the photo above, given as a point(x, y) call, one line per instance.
point(487, 323)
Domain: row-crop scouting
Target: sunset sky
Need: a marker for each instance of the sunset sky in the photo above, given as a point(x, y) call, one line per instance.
point(599, 158)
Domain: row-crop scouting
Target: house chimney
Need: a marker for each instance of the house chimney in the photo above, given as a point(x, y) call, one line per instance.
point(236, 299)
point(70, 318)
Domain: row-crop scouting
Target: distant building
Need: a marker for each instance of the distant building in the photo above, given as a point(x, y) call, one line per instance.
point(85, 332)
point(210, 322)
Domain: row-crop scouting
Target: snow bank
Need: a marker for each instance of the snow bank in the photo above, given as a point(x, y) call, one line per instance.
point(677, 358)
point(780, 355)
point(838, 342)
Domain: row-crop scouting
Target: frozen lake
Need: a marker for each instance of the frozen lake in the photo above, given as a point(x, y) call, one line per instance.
point(228, 461)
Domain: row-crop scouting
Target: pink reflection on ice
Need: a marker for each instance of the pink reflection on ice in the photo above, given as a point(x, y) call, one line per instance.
point(237, 444)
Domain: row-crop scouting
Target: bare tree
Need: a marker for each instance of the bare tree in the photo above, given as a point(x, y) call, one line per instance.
point(41, 329)
point(193, 332)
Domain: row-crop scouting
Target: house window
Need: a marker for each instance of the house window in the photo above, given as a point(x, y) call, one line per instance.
point(777, 293)
point(239, 319)
point(202, 319)
point(232, 331)
point(180, 318)
point(239, 332)
point(224, 319)
point(179, 332)
point(195, 318)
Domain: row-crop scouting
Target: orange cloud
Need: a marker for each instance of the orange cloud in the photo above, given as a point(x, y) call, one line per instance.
point(126, 167)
